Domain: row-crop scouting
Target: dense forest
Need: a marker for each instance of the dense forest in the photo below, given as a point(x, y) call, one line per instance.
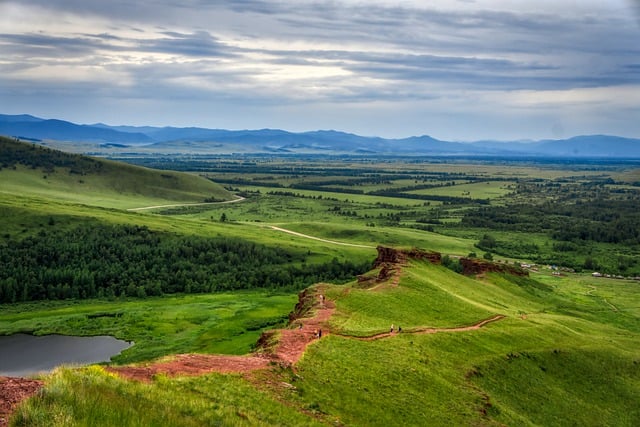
point(120, 260)
point(606, 221)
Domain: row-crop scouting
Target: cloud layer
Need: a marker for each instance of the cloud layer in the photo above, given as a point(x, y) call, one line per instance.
point(456, 70)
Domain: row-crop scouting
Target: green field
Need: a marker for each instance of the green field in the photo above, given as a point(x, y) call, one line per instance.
point(566, 352)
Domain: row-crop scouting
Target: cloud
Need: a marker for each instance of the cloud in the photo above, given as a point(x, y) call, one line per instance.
point(312, 55)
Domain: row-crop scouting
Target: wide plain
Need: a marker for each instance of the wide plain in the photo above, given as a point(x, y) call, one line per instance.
point(566, 352)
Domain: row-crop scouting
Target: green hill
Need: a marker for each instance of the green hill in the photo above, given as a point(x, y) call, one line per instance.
point(565, 353)
point(30, 169)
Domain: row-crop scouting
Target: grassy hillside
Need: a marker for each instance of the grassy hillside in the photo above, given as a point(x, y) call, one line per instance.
point(31, 169)
point(557, 350)
point(565, 354)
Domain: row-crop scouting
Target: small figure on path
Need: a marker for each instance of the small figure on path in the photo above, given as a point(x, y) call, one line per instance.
point(399, 329)
point(319, 333)
point(315, 333)
point(391, 331)
point(300, 326)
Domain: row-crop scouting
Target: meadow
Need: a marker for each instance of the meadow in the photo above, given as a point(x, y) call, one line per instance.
point(564, 354)
point(228, 323)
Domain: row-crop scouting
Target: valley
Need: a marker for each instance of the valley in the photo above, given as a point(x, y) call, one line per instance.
point(206, 259)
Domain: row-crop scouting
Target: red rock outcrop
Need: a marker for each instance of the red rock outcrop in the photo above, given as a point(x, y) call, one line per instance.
point(400, 256)
point(475, 266)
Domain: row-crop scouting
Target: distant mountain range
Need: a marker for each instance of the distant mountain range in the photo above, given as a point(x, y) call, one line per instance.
point(148, 139)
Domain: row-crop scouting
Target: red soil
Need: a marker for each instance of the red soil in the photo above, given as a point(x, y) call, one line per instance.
point(192, 364)
point(12, 392)
point(293, 342)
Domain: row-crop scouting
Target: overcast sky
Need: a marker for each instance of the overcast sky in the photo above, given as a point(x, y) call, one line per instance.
point(456, 70)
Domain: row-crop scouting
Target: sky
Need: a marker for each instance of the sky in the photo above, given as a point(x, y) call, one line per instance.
point(459, 70)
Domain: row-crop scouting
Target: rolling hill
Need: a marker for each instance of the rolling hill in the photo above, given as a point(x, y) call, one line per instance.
point(27, 168)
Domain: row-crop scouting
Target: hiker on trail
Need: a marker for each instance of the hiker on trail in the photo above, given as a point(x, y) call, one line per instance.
point(319, 333)
point(399, 329)
point(391, 329)
point(315, 333)
point(300, 326)
point(322, 299)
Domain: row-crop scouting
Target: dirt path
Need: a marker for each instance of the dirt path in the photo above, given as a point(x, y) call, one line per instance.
point(293, 342)
point(236, 200)
point(425, 330)
point(613, 307)
point(306, 236)
point(192, 364)
point(12, 392)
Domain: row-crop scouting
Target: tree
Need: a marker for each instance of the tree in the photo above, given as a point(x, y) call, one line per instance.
point(487, 242)
point(223, 217)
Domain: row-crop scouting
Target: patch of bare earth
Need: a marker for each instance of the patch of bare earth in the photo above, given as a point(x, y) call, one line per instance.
point(192, 364)
point(291, 344)
point(12, 392)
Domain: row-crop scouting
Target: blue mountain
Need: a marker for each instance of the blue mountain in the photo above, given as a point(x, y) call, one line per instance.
point(196, 139)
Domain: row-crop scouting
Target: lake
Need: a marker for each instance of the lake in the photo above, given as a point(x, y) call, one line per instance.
point(24, 355)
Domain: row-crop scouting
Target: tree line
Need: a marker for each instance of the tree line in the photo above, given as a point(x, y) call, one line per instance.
point(38, 157)
point(95, 261)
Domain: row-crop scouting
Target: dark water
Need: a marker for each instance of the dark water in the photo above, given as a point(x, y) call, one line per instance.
point(23, 355)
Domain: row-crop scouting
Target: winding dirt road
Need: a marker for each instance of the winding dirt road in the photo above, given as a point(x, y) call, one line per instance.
point(236, 200)
point(306, 236)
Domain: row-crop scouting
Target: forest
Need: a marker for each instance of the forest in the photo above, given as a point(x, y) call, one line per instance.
point(95, 261)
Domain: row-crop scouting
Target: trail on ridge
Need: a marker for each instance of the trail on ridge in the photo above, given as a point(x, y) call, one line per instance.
point(426, 330)
point(291, 344)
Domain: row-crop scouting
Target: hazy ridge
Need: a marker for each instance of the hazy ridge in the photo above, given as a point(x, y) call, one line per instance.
point(221, 141)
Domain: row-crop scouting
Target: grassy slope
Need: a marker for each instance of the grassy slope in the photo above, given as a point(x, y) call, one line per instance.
point(532, 369)
point(92, 397)
point(78, 179)
point(26, 215)
point(562, 356)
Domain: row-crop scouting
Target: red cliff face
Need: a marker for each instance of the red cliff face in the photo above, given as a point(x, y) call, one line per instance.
point(475, 266)
point(400, 256)
point(388, 257)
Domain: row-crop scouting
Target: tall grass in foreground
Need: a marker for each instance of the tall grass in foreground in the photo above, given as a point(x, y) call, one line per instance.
point(93, 397)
